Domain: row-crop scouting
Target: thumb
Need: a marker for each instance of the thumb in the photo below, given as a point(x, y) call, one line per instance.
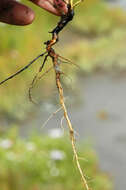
point(15, 13)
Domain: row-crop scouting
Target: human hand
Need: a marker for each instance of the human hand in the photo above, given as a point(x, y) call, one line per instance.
point(15, 13)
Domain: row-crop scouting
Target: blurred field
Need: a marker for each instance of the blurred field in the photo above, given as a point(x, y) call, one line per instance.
point(45, 163)
point(96, 38)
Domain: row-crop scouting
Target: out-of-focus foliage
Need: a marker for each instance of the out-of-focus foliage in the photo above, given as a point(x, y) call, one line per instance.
point(96, 38)
point(94, 18)
point(103, 41)
point(106, 52)
point(44, 163)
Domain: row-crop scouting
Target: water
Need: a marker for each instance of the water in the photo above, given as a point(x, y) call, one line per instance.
point(102, 117)
point(121, 3)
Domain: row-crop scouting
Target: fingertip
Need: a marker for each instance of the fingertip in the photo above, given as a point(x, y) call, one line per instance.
point(25, 17)
point(45, 4)
point(16, 14)
point(22, 15)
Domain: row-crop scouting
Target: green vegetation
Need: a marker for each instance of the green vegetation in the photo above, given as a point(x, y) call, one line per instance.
point(97, 39)
point(94, 18)
point(44, 163)
point(102, 30)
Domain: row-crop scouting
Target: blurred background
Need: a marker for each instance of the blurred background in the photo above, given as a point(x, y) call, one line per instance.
point(35, 157)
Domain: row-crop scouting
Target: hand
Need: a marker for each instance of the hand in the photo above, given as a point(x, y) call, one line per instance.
point(15, 13)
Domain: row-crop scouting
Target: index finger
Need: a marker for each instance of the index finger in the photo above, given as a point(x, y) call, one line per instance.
point(53, 6)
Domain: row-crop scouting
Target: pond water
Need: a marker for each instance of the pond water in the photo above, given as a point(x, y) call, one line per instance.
point(121, 3)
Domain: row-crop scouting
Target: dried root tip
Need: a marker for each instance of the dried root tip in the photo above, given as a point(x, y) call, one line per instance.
point(30, 96)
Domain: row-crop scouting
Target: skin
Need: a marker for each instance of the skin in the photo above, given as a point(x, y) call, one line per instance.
point(15, 13)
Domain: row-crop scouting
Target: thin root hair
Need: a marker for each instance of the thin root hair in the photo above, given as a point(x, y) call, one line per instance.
point(50, 117)
point(23, 69)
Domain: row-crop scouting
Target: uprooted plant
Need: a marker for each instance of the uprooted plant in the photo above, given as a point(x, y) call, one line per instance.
point(57, 60)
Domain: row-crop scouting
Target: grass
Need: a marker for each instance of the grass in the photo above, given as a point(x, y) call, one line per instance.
point(46, 162)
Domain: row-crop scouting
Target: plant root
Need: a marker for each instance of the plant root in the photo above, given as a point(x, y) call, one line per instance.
point(71, 130)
